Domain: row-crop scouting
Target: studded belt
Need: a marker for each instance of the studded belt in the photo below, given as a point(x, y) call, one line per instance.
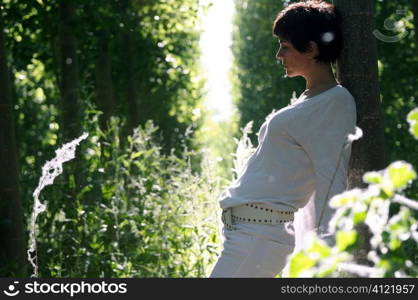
point(255, 213)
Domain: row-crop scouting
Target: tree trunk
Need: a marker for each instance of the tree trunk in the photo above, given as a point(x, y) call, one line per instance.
point(129, 48)
point(104, 84)
point(70, 108)
point(12, 252)
point(131, 92)
point(70, 122)
point(357, 71)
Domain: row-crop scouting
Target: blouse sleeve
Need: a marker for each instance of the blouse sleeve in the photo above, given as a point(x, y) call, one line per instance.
point(322, 127)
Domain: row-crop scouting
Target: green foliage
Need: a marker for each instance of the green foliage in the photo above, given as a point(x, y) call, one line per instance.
point(394, 241)
point(215, 138)
point(398, 64)
point(345, 239)
point(165, 59)
point(142, 214)
point(82, 233)
point(413, 122)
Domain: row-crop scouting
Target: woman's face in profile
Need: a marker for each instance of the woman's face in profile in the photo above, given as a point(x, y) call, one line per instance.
point(294, 62)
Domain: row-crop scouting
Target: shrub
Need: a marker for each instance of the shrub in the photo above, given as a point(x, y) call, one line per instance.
point(137, 213)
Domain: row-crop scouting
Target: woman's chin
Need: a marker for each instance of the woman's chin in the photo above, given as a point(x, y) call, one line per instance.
point(289, 74)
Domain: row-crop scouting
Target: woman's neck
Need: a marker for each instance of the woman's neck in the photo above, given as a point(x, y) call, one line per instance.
point(319, 79)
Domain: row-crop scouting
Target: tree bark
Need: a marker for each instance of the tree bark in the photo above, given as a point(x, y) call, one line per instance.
point(12, 252)
point(131, 92)
point(357, 71)
point(129, 47)
point(104, 84)
point(70, 108)
point(70, 121)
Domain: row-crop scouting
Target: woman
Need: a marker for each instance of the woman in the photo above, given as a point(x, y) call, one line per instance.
point(302, 157)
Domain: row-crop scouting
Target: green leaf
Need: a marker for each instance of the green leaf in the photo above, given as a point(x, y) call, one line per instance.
point(327, 270)
point(372, 177)
point(359, 217)
point(385, 264)
point(320, 248)
point(387, 188)
point(394, 244)
point(345, 198)
point(401, 173)
point(94, 245)
point(123, 223)
point(412, 119)
point(299, 263)
point(345, 239)
point(125, 163)
point(136, 154)
point(39, 95)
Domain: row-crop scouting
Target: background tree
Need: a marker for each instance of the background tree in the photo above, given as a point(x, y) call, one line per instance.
point(69, 58)
point(69, 87)
point(105, 98)
point(12, 252)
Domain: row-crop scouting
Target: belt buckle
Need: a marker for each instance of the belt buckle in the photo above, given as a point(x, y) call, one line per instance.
point(227, 218)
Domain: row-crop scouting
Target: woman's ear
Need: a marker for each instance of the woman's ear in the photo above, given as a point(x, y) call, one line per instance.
point(312, 49)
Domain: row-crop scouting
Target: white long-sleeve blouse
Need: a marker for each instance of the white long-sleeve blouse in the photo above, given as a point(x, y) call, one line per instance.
point(302, 147)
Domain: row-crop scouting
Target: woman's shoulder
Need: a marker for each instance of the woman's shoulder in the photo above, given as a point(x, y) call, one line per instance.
point(345, 99)
point(337, 96)
point(342, 92)
point(335, 101)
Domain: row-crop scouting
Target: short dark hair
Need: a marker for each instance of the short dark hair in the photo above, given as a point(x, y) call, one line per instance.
point(316, 21)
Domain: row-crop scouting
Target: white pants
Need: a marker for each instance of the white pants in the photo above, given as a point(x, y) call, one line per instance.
point(254, 250)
